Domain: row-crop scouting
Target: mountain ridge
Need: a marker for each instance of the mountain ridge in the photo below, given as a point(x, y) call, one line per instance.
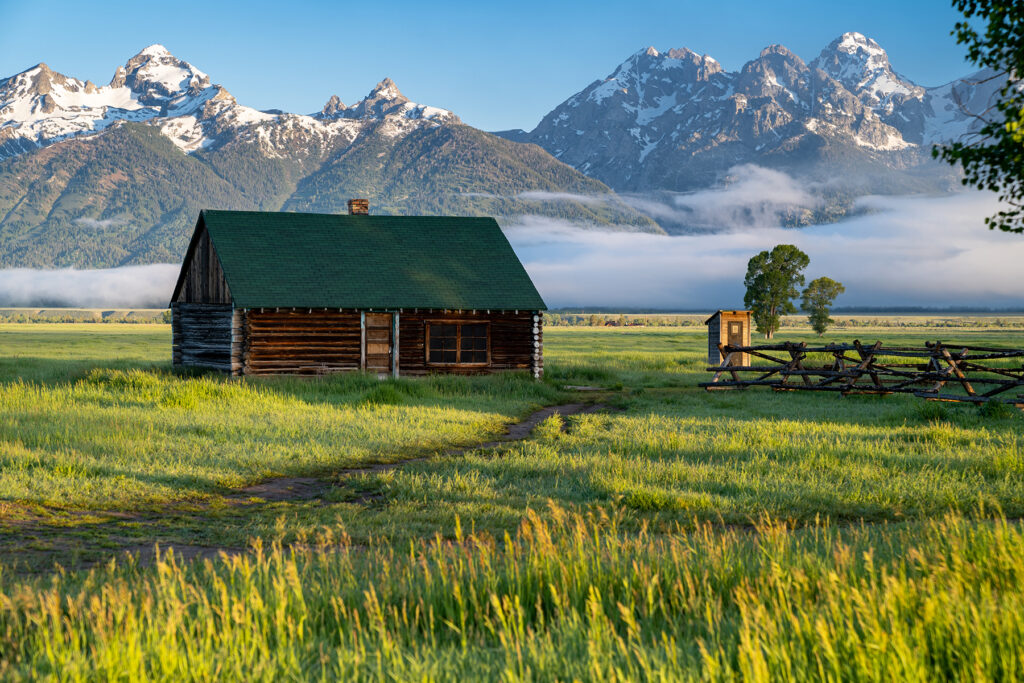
point(129, 164)
point(676, 121)
point(115, 175)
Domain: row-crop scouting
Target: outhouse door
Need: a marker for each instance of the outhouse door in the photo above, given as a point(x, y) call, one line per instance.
point(734, 337)
point(378, 343)
point(735, 334)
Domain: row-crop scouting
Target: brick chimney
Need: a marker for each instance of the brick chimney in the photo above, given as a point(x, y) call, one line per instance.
point(358, 207)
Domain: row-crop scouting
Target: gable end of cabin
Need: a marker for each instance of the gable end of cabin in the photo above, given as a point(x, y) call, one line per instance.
point(203, 319)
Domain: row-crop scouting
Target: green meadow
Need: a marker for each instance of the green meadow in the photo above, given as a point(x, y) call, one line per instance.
point(667, 533)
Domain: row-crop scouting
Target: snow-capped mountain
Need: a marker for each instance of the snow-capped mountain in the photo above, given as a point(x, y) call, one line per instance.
point(677, 121)
point(104, 176)
point(39, 107)
point(923, 116)
point(862, 67)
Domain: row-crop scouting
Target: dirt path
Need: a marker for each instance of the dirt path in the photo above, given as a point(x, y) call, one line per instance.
point(102, 539)
point(283, 489)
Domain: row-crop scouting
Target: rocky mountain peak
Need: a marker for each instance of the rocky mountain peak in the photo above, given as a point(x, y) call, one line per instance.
point(706, 66)
point(44, 80)
point(852, 58)
point(155, 50)
point(333, 107)
point(117, 81)
point(386, 90)
point(780, 51)
point(31, 93)
point(384, 99)
point(155, 74)
point(857, 43)
point(862, 66)
point(680, 65)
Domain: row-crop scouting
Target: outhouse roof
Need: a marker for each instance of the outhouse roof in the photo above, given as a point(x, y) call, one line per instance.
point(720, 312)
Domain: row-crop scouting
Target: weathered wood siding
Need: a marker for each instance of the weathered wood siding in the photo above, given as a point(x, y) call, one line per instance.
point(714, 338)
point(718, 333)
point(516, 341)
point(204, 281)
point(318, 342)
point(378, 334)
point(290, 341)
point(201, 335)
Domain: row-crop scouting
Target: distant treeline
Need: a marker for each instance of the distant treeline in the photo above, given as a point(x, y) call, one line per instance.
point(897, 321)
point(150, 316)
point(72, 315)
point(793, 321)
point(859, 311)
point(620, 320)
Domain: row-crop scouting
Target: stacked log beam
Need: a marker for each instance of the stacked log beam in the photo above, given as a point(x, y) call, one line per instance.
point(300, 341)
point(324, 341)
point(201, 335)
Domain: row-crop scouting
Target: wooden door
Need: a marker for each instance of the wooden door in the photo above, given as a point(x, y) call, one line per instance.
point(734, 337)
point(378, 342)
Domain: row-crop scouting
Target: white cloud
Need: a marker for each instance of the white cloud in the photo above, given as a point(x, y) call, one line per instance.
point(103, 223)
point(910, 251)
point(128, 287)
point(906, 251)
point(753, 197)
point(542, 196)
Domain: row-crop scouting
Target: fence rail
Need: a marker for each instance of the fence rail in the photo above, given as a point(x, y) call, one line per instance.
point(938, 372)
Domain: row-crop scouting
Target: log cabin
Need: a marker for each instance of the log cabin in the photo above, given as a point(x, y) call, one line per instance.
point(298, 293)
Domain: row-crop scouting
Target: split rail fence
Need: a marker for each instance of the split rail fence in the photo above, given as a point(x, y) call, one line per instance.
point(938, 372)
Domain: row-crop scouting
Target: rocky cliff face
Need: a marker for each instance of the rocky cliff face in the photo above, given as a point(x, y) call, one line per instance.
point(102, 176)
point(677, 121)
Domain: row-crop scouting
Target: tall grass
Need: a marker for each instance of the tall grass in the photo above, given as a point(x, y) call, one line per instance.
point(566, 597)
point(94, 418)
point(629, 575)
point(120, 438)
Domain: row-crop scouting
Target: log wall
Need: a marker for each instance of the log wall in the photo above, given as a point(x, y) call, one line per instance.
point(318, 342)
point(516, 341)
point(299, 341)
point(201, 336)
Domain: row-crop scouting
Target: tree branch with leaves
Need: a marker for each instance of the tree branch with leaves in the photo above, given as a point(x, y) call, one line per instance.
point(817, 302)
point(773, 281)
point(993, 158)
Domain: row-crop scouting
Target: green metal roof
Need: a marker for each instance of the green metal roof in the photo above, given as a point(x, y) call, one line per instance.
point(353, 261)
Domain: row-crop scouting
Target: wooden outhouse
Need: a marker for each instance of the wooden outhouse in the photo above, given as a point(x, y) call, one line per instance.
point(730, 328)
point(300, 293)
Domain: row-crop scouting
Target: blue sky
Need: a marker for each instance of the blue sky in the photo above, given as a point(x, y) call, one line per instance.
point(497, 65)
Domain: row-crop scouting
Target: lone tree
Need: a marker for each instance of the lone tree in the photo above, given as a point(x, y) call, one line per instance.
point(993, 159)
point(773, 281)
point(817, 302)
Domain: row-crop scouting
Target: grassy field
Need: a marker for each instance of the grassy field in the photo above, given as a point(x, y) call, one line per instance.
point(673, 534)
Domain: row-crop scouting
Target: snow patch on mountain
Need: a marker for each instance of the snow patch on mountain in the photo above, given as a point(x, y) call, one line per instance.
point(39, 107)
point(675, 119)
point(863, 67)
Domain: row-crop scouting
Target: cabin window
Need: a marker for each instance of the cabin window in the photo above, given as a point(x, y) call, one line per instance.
point(457, 343)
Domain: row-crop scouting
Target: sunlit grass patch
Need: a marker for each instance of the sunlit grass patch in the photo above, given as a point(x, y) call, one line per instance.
point(111, 437)
point(565, 597)
point(678, 535)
